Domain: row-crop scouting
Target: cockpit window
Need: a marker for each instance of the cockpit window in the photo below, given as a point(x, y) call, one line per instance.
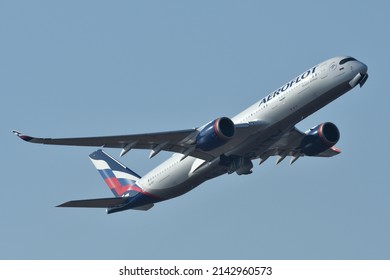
point(345, 60)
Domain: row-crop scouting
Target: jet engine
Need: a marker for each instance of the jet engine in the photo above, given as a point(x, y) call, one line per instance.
point(215, 134)
point(320, 138)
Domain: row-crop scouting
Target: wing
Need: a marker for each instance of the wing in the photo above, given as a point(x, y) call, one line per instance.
point(180, 141)
point(290, 145)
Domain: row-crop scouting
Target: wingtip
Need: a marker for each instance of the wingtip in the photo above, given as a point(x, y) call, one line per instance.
point(17, 133)
point(22, 136)
point(336, 150)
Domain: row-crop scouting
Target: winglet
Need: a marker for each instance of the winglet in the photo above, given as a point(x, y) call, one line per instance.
point(17, 133)
point(22, 136)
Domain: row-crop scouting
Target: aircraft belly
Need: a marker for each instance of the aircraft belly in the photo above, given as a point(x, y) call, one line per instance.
point(172, 191)
point(185, 178)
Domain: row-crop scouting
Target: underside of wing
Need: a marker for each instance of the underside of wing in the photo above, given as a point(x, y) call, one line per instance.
point(205, 143)
point(181, 141)
point(296, 144)
point(139, 141)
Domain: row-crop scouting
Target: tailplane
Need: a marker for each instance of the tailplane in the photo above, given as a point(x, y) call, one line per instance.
point(123, 183)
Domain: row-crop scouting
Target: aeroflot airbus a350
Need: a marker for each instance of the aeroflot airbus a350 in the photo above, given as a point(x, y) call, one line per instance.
point(224, 145)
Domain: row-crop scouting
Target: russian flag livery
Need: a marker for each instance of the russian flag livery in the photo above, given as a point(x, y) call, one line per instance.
point(120, 179)
point(123, 183)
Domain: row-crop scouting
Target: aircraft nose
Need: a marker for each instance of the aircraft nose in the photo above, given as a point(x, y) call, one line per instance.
point(362, 67)
point(361, 76)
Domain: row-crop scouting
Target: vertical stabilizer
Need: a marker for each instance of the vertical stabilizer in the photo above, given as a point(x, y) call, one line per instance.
point(120, 179)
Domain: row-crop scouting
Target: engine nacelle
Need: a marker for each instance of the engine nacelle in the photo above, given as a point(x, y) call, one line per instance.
point(320, 138)
point(215, 134)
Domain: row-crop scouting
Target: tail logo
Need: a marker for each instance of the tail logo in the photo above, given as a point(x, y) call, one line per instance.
point(120, 179)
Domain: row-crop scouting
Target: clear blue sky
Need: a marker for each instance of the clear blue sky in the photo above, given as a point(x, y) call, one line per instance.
point(86, 68)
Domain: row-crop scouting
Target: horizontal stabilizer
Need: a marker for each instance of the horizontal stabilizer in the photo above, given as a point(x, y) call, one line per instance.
point(96, 203)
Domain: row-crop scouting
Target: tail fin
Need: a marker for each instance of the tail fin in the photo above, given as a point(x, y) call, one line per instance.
point(120, 179)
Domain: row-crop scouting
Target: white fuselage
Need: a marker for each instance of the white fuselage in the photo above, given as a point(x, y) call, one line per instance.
point(279, 111)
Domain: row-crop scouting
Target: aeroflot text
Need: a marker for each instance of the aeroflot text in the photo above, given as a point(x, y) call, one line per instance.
point(288, 85)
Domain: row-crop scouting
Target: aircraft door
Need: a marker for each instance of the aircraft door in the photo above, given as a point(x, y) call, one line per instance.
point(323, 70)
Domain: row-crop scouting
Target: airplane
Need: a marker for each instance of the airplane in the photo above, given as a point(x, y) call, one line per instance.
point(224, 145)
